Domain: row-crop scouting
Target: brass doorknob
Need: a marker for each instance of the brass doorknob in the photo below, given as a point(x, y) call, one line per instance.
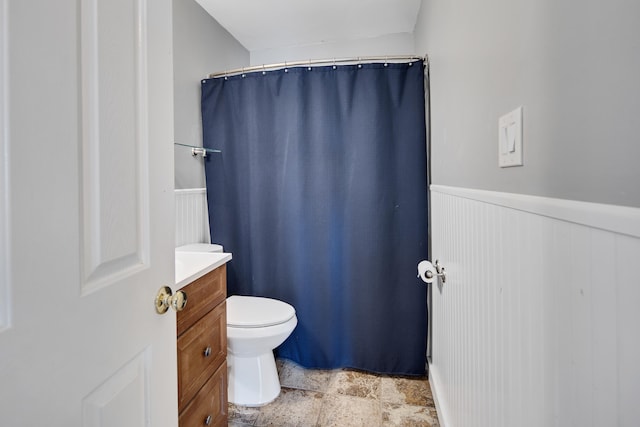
point(166, 299)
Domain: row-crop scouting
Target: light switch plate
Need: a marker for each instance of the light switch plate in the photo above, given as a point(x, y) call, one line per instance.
point(510, 139)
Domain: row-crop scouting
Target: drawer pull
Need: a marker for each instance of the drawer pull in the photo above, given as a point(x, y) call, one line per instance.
point(207, 421)
point(207, 353)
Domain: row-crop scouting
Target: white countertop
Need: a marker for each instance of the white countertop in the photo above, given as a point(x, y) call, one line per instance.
point(193, 265)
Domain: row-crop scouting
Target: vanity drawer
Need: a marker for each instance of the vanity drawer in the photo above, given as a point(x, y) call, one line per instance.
point(211, 401)
point(201, 350)
point(203, 295)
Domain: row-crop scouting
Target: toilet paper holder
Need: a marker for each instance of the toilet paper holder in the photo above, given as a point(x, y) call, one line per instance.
point(440, 272)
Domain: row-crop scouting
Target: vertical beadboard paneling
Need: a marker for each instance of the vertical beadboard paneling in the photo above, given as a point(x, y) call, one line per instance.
point(537, 324)
point(604, 377)
point(628, 343)
point(192, 216)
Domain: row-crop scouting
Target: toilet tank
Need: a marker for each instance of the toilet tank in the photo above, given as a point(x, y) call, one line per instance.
point(200, 247)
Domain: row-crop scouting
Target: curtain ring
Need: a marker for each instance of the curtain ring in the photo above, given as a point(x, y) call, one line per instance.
point(286, 70)
point(243, 74)
point(334, 64)
point(263, 70)
point(386, 61)
point(309, 65)
point(359, 64)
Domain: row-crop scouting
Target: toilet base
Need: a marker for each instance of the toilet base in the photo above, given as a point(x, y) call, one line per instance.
point(253, 381)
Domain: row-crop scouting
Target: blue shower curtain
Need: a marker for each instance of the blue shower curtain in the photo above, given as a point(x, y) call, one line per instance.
point(320, 193)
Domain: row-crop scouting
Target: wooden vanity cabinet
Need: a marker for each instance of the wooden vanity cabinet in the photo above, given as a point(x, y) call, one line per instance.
point(202, 352)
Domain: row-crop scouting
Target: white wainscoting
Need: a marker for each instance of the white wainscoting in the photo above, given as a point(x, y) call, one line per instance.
point(192, 216)
point(538, 323)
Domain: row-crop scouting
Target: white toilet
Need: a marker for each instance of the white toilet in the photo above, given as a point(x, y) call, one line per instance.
point(200, 247)
point(255, 326)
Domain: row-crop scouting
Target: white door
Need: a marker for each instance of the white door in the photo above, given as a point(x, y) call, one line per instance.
point(86, 213)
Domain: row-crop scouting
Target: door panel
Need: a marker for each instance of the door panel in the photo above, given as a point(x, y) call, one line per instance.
point(113, 41)
point(88, 196)
point(122, 400)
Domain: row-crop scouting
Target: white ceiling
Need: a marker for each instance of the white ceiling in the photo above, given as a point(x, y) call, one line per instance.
point(265, 24)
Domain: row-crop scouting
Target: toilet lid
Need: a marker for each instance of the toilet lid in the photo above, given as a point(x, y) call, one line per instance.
point(200, 247)
point(256, 312)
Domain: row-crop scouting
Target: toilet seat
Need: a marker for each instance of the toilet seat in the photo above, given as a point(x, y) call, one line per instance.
point(257, 312)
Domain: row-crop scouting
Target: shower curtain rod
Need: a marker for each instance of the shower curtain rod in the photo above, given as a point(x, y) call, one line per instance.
point(312, 62)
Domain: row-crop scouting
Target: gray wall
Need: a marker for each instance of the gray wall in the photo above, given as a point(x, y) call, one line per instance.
point(200, 46)
point(574, 65)
point(391, 44)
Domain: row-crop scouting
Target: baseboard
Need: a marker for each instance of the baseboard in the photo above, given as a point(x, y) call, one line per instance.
point(435, 385)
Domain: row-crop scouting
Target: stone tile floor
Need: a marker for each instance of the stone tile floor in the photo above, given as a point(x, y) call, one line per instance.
point(341, 398)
